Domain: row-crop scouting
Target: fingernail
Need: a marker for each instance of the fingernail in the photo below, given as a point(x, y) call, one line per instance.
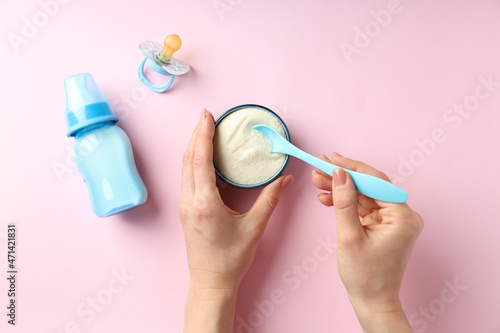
point(339, 177)
point(324, 157)
point(313, 172)
point(208, 114)
point(203, 115)
point(286, 181)
point(337, 154)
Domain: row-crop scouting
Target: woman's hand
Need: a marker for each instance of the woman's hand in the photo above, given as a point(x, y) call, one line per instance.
point(220, 242)
point(373, 252)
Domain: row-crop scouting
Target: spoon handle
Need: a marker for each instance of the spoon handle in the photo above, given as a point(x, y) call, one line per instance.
point(370, 186)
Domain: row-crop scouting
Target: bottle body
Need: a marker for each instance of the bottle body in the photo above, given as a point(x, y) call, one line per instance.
point(104, 157)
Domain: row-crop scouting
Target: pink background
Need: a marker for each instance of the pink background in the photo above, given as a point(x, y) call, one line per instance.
point(380, 105)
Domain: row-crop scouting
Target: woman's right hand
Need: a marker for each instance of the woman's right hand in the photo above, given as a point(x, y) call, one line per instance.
point(375, 240)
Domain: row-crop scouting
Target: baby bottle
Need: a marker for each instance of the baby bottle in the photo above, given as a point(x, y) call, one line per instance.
point(102, 151)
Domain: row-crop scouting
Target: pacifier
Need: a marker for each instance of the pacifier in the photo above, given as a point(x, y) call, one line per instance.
point(161, 61)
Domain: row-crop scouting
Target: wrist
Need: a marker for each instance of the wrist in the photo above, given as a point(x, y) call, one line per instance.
point(366, 305)
point(217, 294)
point(210, 310)
point(381, 315)
point(204, 280)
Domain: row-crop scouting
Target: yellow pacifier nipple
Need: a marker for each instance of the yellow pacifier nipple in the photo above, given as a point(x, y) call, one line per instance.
point(161, 61)
point(171, 45)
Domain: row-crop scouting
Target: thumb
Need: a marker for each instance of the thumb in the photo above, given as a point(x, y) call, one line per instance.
point(345, 201)
point(267, 201)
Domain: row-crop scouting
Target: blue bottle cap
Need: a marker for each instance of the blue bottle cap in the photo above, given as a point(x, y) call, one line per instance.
point(85, 103)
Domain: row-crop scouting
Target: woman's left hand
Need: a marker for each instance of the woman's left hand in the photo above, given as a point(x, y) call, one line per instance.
point(220, 242)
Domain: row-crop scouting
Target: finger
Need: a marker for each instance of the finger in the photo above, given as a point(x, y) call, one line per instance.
point(187, 182)
point(371, 219)
point(396, 213)
point(346, 206)
point(326, 199)
point(326, 159)
point(203, 166)
point(358, 166)
point(363, 212)
point(367, 203)
point(322, 181)
point(268, 199)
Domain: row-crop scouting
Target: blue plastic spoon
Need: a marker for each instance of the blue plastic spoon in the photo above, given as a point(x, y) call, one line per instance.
point(370, 186)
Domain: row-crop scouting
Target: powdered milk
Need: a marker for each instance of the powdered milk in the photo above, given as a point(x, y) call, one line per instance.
point(242, 154)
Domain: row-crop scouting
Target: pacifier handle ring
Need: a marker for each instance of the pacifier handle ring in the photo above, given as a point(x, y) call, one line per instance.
point(148, 83)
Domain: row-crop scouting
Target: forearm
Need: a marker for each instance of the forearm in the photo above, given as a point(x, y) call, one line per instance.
point(386, 317)
point(210, 310)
